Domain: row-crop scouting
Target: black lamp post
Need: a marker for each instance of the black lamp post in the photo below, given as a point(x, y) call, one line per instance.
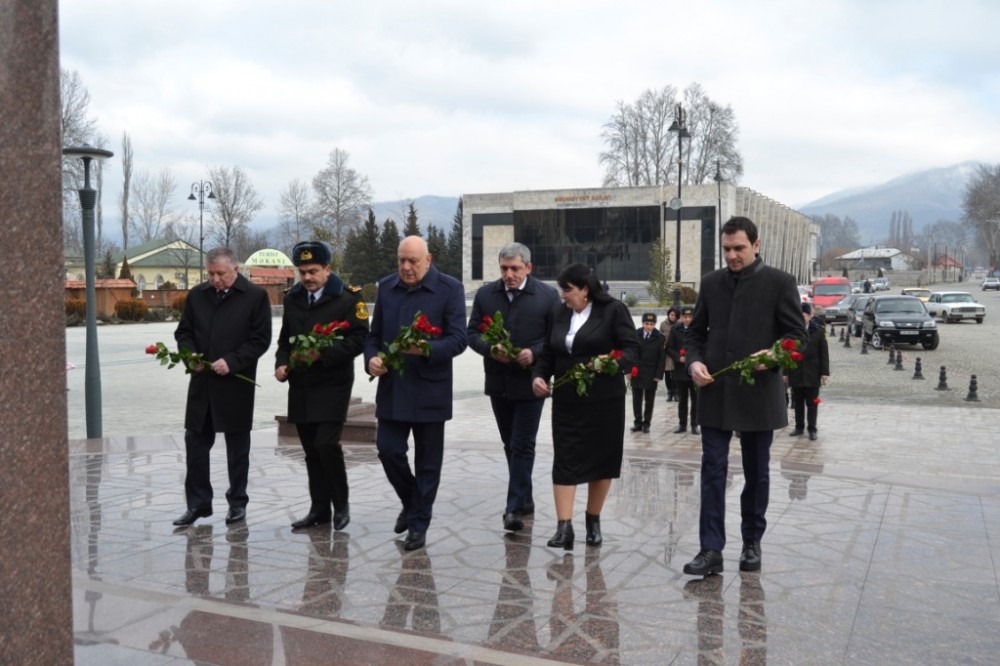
point(203, 190)
point(680, 126)
point(92, 371)
point(718, 183)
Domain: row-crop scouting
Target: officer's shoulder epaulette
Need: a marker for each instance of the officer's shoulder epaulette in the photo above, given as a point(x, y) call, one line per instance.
point(353, 289)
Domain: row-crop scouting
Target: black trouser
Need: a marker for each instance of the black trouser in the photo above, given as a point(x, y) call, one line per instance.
point(517, 421)
point(324, 466)
point(804, 400)
point(197, 482)
point(415, 488)
point(685, 389)
point(643, 416)
point(668, 381)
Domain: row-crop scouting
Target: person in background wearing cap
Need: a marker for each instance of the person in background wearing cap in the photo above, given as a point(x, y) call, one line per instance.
point(418, 400)
point(811, 373)
point(319, 384)
point(228, 319)
point(673, 316)
point(652, 355)
point(742, 309)
point(683, 385)
point(526, 305)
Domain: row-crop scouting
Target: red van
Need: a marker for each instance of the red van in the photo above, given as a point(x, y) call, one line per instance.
point(827, 291)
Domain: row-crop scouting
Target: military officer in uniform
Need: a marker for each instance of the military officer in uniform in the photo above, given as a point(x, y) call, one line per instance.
point(652, 358)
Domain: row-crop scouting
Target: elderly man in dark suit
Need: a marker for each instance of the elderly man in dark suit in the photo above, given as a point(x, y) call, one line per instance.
point(419, 399)
point(320, 381)
point(741, 310)
point(526, 305)
point(227, 319)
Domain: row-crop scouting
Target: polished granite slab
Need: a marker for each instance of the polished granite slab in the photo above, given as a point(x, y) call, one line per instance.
point(857, 568)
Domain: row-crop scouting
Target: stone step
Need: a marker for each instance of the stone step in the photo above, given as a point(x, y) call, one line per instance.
point(359, 428)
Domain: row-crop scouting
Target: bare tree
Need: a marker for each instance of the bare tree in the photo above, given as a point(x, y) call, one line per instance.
point(78, 127)
point(294, 214)
point(184, 228)
point(342, 197)
point(235, 204)
point(150, 210)
point(982, 209)
point(127, 158)
point(641, 149)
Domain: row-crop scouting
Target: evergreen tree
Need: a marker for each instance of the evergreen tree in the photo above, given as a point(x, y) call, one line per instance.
point(437, 245)
point(455, 244)
point(107, 268)
point(362, 253)
point(126, 272)
point(389, 247)
point(660, 283)
point(411, 228)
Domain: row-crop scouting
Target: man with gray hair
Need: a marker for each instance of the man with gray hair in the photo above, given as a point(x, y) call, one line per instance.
point(525, 305)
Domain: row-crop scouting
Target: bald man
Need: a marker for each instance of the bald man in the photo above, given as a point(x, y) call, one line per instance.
point(419, 399)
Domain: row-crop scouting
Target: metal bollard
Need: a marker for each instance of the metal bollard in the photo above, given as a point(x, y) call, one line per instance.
point(942, 380)
point(892, 355)
point(864, 345)
point(841, 339)
point(847, 340)
point(899, 361)
point(917, 370)
point(973, 390)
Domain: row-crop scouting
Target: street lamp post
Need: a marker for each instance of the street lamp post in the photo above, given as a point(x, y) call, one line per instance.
point(203, 190)
point(718, 183)
point(680, 126)
point(92, 370)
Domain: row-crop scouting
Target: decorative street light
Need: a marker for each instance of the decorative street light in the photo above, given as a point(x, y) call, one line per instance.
point(203, 190)
point(92, 371)
point(718, 183)
point(680, 126)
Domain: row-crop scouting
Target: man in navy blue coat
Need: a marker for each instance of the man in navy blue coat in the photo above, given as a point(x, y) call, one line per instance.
point(526, 305)
point(419, 399)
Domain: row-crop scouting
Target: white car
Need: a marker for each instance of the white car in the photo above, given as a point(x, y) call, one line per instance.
point(955, 306)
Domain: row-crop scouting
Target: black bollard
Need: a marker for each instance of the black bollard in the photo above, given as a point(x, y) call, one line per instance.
point(864, 345)
point(847, 341)
point(899, 361)
point(973, 390)
point(841, 338)
point(833, 330)
point(917, 370)
point(892, 356)
point(942, 380)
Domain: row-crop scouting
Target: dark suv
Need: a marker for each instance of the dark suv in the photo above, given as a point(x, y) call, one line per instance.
point(895, 320)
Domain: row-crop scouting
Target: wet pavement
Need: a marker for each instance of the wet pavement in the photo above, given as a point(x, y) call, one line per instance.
point(883, 543)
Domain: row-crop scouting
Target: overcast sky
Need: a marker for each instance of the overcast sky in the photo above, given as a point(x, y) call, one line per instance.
point(449, 98)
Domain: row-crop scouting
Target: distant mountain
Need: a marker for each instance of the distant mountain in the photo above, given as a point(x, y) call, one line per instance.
point(928, 196)
point(431, 209)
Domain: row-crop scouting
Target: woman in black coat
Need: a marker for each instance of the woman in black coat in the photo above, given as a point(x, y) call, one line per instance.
point(587, 431)
point(811, 373)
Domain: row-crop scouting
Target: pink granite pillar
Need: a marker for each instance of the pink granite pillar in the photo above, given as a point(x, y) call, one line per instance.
point(35, 586)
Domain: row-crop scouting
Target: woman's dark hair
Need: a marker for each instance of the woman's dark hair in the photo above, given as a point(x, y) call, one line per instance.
point(674, 311)
point(580, 276)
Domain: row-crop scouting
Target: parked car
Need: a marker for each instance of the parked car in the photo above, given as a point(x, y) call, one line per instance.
point(920, 292)
point(991, 283)
point(828, 290)
point(837, 313)
point(955, 306)
point(855, 287)
point(854, 311)
point(881, 284)
point(890, 319)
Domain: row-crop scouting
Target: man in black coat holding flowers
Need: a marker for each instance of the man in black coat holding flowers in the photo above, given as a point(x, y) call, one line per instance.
point(652, 358)
point(742, 309)
point(320, 373)
point(525, 305)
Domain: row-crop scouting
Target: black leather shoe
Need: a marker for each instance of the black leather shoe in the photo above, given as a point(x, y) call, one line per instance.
point(594, 537)
point(645, 429)
point(192, 515)
point(636, 428)
point(695, 430)
point(564, 536)
point(415, 540)
point(400, 526)
point(750, 557)
point(512, 522)
point(236, 514)
point(679, 429)
point(812, 435)
point(704, 563)
point(341, 518)
point(796, 432)
point(311, 520)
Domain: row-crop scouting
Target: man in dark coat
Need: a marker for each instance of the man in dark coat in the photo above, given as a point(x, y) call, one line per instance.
point(526, 305)
point(418, 400)
point(652, 357)
point(741, 310)
point(320, 381)
point(227, 319)
point(684, 388)
point(811, 373)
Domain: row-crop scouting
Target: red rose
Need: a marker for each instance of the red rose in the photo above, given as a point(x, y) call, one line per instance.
point(484, 327)
point(634, 372)
point(435, 330)
point(788, 344)
point(796, 356)
point(318, 328)
point(683, 351)
point(816, 401)
point(487, 320)
point(615, 354)
point(152, 349)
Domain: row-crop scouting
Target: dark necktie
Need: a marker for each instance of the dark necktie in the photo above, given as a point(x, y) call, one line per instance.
point(220, 295)
point(312, 299)
point(647, 336)
point(512, 294)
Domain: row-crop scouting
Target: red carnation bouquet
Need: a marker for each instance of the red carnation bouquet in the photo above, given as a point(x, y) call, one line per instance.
point(495, 335)
point(782, 354)
point(582, 374)
point(416, 335)
point(306, 347)
point(192, 361)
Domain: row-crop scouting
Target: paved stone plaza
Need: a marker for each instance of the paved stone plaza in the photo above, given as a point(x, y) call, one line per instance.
point(882, 542)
